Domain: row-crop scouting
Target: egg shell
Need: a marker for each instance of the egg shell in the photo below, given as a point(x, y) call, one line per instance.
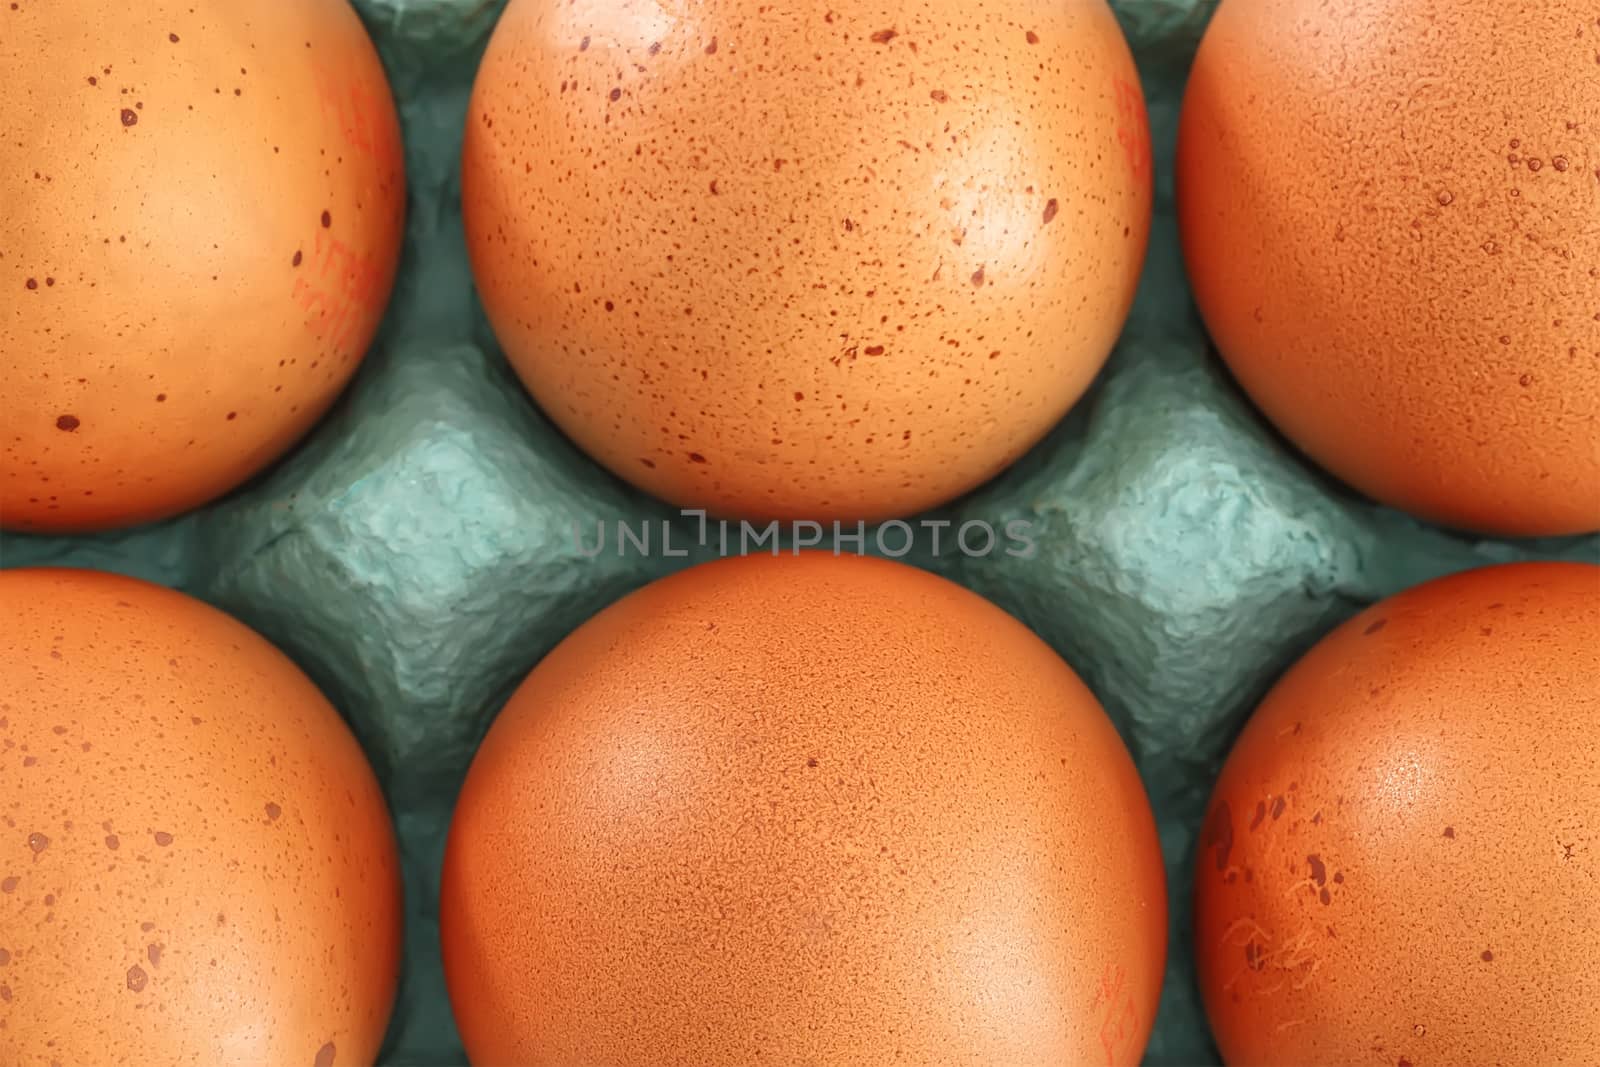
point(196, 864)
point(803, 809)
point(1389, 214)
point(840, 262)
point(203, 215)
point(1400, 859)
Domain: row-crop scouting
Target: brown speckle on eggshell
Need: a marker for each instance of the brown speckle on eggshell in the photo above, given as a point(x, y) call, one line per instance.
point(803, 809)
point(109, 942)
point(1372, 927)
point(795, 181)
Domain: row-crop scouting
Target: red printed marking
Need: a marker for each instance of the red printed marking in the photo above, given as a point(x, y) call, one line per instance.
point(363, 117)
point(1133, 128)
point(1119, 1025)
point(340, 291)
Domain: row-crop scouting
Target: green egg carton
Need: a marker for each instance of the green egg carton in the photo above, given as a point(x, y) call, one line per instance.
point(420, 552)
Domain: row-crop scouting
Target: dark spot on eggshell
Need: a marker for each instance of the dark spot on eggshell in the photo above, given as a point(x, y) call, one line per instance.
point(137, 978)
point(273, 811)
point(1278, 804)
point(172, 37)
point(153, 954)
point(9, 884)
point(884, 36)
point(1375, 627)
point(38, 842)
point(1486, 956)
point(327, 219)
point(1450, 831)
point(1219, 834)
point(1051, 207)
point(325, 1056)
point(297, 259)
point(163, 838)
point(67, 423)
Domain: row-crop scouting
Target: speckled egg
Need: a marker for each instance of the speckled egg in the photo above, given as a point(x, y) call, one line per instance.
point(808, 809)
point(203, 207)
point(196, 864)
point(1388, 209)
point(1400, 862)
point(823, 262)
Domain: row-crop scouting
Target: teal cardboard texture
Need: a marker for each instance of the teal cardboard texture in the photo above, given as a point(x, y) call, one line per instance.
point(435, 537)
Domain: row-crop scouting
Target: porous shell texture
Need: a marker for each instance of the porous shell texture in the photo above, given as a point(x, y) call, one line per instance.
point(805, 809)
point(1391, 215)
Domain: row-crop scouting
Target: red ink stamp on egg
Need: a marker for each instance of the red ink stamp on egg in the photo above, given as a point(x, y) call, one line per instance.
point(341, 293)
point(1119, 1025)
point(363, 118)
point(1133, 128)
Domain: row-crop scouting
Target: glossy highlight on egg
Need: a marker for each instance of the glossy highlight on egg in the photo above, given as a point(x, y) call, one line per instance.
point(1399, 862)
point(803, 809)
point(829, 262)
point(196, 863)
point(203, 209)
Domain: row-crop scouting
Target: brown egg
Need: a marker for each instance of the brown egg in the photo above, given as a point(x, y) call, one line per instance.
point(203, 214)
point(196, 864)
point(807, 809)
point(847, 262)
point(1400, 863)
point(1388, 210)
